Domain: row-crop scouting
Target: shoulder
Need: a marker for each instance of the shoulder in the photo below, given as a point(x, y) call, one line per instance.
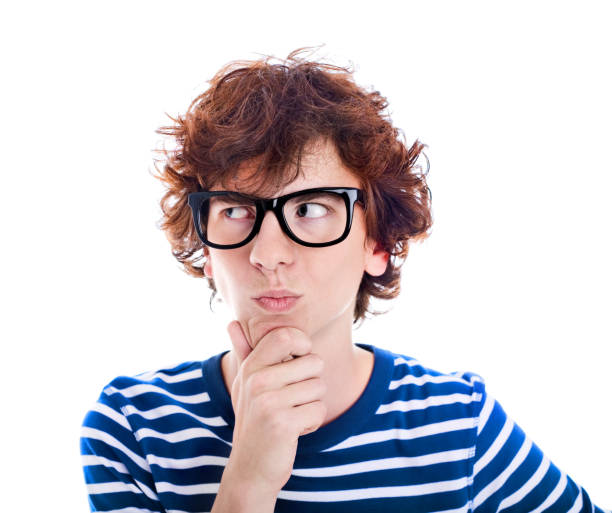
point(414, 380)
point(163, 377)
point(127, 394)
point(176, 381)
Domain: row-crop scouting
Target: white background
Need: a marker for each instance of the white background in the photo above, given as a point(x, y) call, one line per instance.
point(513, 101)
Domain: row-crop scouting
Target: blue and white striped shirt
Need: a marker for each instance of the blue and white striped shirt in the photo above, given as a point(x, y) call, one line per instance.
point(416, 440)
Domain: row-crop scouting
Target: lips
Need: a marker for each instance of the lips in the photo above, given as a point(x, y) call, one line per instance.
point(277, 304)
point(277, 293)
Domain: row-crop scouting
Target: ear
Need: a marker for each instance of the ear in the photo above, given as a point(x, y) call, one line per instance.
point(208, 266)
point(376, 258)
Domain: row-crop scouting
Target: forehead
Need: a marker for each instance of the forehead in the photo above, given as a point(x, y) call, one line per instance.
point(320, 166)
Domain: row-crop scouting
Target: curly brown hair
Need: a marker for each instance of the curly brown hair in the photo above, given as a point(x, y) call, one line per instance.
point(267, 113)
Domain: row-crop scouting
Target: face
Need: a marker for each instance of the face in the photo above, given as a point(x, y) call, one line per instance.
point(327, 278)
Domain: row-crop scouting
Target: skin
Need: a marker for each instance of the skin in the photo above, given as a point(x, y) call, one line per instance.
point(328, 279)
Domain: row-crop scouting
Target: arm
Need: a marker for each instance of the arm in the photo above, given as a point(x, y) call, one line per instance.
point(236, 497)
point(510, 471)
point(116, 473)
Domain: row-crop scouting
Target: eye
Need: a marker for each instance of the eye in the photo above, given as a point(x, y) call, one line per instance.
point(318, 210)
point(239, 212)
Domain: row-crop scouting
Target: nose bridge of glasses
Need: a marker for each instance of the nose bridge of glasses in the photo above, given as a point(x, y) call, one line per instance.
point(270, 209)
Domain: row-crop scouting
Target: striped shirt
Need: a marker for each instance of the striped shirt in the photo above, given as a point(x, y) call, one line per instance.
point(416, 440)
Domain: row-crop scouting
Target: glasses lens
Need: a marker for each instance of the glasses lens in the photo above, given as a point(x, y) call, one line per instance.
point(227, 219)
point(318, 217)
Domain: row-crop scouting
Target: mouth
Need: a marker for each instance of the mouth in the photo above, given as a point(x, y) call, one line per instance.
point(277, 304)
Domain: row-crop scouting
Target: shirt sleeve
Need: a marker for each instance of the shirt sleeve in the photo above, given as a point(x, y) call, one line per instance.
point(117, 475)
point(511, 474)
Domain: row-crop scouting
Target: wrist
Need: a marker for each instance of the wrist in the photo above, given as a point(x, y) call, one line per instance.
point(237, 495)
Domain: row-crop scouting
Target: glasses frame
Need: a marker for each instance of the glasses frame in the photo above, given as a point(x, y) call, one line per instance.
point(351, 195)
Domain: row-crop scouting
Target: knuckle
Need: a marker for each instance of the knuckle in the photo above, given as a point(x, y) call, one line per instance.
point(278, 425)
point(266, 405)
point(256, 383)
point(284, 334)
point(307, 343)
point(317, 362)
point(287, 347)
point(282, 338)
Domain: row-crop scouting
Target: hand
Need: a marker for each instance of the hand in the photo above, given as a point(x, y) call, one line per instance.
point(276, 399)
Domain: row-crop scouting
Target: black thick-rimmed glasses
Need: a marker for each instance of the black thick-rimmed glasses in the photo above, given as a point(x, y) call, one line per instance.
point(317, 217)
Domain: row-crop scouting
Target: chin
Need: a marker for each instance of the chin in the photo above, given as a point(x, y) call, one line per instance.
point(260, 324)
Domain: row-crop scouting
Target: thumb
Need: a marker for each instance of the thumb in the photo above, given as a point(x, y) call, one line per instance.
point(242, 349)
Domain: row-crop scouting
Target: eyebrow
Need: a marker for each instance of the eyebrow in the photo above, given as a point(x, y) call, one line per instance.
point(237, 196)
point(233, 195)
point(311, 195)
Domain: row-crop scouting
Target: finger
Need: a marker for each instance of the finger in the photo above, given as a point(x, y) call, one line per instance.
point(308, 417)
point(296, 370)
point(280, 345)
point(242, 349)
point(304, 392)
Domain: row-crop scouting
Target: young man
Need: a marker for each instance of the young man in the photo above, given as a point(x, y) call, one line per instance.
point(293, 184)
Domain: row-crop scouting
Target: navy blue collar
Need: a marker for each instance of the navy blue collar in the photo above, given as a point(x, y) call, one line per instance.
point(347, 424)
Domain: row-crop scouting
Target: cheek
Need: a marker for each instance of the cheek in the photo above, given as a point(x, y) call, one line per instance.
point(224, 274)
point(339, 272)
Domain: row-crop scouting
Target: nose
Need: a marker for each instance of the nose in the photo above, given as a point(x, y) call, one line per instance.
point(271, 246)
